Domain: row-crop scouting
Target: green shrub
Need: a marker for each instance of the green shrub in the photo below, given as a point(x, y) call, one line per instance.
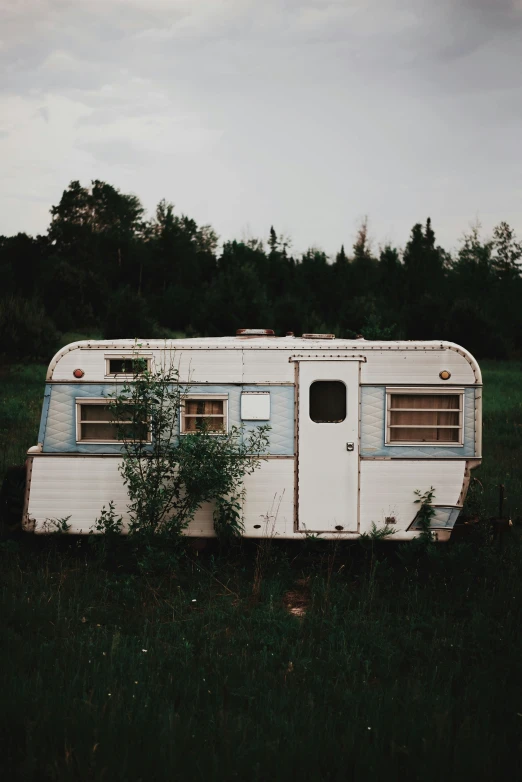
point(168, 476)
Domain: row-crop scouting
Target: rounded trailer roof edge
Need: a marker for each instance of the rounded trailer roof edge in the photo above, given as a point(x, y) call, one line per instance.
point(62, 352)
point(472, 361)
point(285, 343)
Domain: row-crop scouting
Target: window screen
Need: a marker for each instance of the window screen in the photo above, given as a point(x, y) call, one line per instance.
point(328, 401)
point(424, 418)
point(96, 424)
point(127, 366)
point(201, 414)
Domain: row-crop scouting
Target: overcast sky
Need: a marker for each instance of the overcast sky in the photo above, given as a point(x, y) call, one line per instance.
point(304, 114)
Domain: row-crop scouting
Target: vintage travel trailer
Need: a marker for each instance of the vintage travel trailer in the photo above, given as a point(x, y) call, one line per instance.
point(356, 428)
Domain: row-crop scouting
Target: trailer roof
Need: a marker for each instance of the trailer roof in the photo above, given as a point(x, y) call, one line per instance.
point(267, 343)
point(273, 343)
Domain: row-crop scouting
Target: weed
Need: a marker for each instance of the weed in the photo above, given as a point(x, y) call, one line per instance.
point(56, 526)
point(425, 513)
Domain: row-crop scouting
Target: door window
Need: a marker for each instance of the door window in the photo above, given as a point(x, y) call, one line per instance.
point(327, 401)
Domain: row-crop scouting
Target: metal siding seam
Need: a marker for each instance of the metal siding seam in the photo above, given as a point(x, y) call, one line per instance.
point(83, 455)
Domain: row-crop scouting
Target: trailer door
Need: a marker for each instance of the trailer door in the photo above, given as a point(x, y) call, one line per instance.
point(328, 445)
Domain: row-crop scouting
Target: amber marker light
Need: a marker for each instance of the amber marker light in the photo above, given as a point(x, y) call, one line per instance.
point(444, 375)
point(79, 373)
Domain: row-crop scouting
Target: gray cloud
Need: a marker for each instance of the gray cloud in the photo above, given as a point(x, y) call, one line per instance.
point(306, 113)
point(118, 152)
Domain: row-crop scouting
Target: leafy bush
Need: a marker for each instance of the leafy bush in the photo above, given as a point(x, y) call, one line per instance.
point(168, 476)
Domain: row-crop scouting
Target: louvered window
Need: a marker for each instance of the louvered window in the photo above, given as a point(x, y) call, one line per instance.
point(204, 413)
point(96, 424)
point(424, 417)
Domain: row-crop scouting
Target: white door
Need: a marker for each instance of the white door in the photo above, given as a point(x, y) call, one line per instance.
point(328, 446)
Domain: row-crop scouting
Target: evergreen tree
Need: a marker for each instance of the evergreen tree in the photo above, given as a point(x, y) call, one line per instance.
point(103, 266)
point(507, 252)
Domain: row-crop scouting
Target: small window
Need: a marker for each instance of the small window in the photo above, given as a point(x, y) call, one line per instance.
point(424, 418)
point(328, 401)
point(127, 365)
point(204, 413)
point(96, 424)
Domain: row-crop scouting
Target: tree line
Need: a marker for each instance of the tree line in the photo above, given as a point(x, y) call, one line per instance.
point(104, 267)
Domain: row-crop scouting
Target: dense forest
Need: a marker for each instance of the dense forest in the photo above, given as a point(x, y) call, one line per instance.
point(103, 268)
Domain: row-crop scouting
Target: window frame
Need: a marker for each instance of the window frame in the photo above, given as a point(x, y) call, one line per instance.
point(427, 391)
point(203, 398)
point(108, 357)
point(328, 380)
point(87, 400)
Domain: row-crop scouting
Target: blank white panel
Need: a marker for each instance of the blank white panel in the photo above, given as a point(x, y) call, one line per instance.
point(255, 406)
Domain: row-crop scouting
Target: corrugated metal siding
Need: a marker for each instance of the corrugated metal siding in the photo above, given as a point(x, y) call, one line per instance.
point(79, 487)
point(415, 367)
point(373, 429)
point(268, 508)
point(59, 434)
point(268, 366)
point(387, 489)
point(230, 361)
point(270, 499)
point(91, 361)
point(197, 366)
point(209, 366)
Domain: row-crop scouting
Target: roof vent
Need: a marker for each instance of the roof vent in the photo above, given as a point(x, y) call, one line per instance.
point(255, 333)
point(318, 336)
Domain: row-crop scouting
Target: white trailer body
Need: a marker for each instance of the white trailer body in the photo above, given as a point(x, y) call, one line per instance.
point(356, 428)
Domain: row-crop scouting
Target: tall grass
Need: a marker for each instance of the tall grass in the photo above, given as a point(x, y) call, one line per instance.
point(502, 441)
point(412, 673)
point(21, 399)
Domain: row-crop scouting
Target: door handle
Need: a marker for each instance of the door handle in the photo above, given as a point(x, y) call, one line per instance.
point(350, 446)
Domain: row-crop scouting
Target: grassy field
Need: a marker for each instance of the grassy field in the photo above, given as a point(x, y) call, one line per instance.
point(317, 661)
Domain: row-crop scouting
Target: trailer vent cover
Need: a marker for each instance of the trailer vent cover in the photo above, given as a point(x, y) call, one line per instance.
point(255, 333)
point(318, 336)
